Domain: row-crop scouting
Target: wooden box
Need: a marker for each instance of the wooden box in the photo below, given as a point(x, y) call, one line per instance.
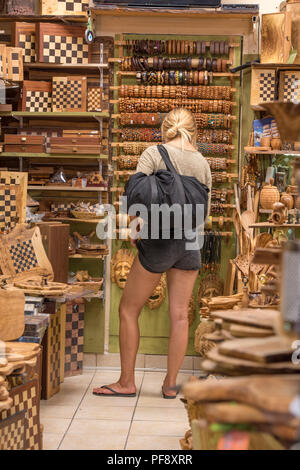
point(28, 144)
point(26, 398)
point(74, 337)
point(14, 64)
point(62, 44)
point(19, 7)
point(263, 86)
point(46, 132)
point(294, 10)
point(13, 193)
point(13, 432)
point(289, 86)
point(64, 7)
point(95, 95)
point(276, 33)
point(69, 94)
point(76, 145)
point(36, 97)
point(55, 236)
point(23, 35)
point(51, 376)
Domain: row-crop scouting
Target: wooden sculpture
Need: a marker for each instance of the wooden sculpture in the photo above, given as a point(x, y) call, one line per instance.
point(120, 266)
point(158, 295)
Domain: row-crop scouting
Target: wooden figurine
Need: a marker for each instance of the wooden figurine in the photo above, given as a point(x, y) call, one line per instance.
point(120, 266)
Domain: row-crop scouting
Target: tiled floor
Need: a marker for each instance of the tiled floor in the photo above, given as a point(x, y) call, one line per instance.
point(76, 419)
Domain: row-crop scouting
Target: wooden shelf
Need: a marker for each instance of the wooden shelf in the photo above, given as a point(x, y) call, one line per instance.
point(65, 188)
point(57, 115)
point(44, 18)
point(257, 151)
point(72, 219)
point(51, 155)
point(86, 256)
point(268, 225)
point(215, 74)
point(116, 10)
point(80, 67)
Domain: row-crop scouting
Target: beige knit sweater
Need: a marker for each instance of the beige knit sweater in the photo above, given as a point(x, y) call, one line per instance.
point(186, 162)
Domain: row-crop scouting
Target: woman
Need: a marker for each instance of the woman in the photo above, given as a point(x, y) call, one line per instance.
point(179, 132)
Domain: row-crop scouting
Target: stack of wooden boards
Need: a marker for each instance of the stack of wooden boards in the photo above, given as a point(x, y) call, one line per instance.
point(245, 342)
point(247, 413)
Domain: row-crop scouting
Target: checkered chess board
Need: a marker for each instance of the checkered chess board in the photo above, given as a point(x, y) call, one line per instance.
point(65, 49)
point(267, 86)
point(74, 338)
point(27, 42)
point(16, 73)
point(8, 207)
point(26, 397)
point(54, 354)
point(73, 94)
point(291, 91)
point(38, 101)
point(12, 432)
point(58, 94)
point(23, 256)
point(95, 99)
point(71, 6)
point(67, 94)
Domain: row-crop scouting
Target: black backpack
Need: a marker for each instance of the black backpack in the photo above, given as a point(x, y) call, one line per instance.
point(167, 187)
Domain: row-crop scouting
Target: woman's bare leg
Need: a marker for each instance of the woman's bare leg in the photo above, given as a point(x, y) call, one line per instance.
point(140, 285)
point(180, 289)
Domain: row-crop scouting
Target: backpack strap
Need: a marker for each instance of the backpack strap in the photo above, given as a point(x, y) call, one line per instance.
point(166, 158)
point(170, 167)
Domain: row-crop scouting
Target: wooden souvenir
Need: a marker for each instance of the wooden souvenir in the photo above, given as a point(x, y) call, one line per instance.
point(62, 44)
point(211, 286)
point(269, 195)
point(47, 133)
point(279, 214)
point(37, 97)
point(64, 7)
point(73, 362)
point(14, 61)
point(158, 296)
point(20, 7)
point(51, 357)
point(95, 99)
point(23, 35)
point(21, 143)
point(289, 86)
point(13, 192)
point(120, 266)
point(69, 94)
point(293, 8)
point(263, 86)
point(26, 398)
point(252, 317)
point(22, 255)
point(276, 33)
point(55, 238)
point(12, 305)
point(12, 432)
point(3, 66)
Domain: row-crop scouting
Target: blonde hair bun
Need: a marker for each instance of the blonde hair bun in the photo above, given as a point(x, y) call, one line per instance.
point(180, 122)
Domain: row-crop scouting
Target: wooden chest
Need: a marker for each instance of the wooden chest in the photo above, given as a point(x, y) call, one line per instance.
point(24, 144)
point(77, 145)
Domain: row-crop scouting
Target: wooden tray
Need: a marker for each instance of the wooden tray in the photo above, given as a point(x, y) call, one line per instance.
point(267, 318)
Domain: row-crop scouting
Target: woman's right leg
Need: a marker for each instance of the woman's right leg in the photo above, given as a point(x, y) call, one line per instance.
point(139, 286)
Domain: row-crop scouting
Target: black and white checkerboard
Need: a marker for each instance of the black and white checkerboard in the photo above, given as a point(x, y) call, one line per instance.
point(23, 256)
point(27, 42)
point(73, 94)
point(267, 86)
point(8, 207)
point(72, 6)
point(65, 49)
point(38, 101)
point(94, 99)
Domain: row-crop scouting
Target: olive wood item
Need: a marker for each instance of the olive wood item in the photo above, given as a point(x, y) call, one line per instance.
point(269, 195)
point(222, 302)
point(268, 318)
point(265, 350)
point(242, 331)
point(12, 305)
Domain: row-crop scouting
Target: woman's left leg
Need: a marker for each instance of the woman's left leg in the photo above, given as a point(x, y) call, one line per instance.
point(180, 289)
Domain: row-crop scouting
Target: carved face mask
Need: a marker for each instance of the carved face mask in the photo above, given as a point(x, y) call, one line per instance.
point(120, 267)
point(158, 295)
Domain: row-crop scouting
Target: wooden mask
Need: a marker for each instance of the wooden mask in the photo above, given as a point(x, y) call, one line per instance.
point(158, 295)
point(120, 266)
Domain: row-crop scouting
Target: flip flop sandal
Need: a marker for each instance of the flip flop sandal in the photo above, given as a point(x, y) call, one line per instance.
point(168, 397)
point(114, 393)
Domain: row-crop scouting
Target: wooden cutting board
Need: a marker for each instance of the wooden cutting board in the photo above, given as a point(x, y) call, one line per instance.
point(273, 394)
point(236, 366)
point(266, 318)
point(239, 413)
point(12, 320)
point(244, 331)
point(263, 350)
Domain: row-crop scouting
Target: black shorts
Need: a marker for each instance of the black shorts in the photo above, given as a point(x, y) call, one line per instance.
point(158, 256)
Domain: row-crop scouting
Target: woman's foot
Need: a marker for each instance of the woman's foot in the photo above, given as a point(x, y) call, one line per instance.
point(166, 388)
point(115, 389)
